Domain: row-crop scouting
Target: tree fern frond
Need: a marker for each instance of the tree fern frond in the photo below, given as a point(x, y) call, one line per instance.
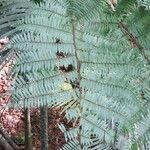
point(144, 3)
point(141, 132)
point(124, 7)
point(108, 83)
point(74, 144)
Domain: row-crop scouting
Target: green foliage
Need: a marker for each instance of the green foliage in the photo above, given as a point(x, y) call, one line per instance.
point(144, 3)
point(37, 1)
point(109, 54)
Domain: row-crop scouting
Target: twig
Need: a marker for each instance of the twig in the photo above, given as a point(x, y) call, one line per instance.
point(133, 39)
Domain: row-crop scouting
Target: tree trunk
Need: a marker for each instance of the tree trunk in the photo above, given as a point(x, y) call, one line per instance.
point(44, 128)
point(28, 134)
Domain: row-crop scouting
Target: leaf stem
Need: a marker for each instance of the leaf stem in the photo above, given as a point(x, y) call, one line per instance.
point(79, 79)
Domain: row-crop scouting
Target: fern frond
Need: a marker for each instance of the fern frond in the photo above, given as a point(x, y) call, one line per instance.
point(108, 78)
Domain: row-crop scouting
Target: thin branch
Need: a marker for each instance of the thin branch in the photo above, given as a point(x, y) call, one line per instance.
point(133, 39)
point(28, 134)
point(7, 138)
point(4, 145)
point(44, 128)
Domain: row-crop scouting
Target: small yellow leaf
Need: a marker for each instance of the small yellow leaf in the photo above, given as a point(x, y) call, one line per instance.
point(66, 86)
